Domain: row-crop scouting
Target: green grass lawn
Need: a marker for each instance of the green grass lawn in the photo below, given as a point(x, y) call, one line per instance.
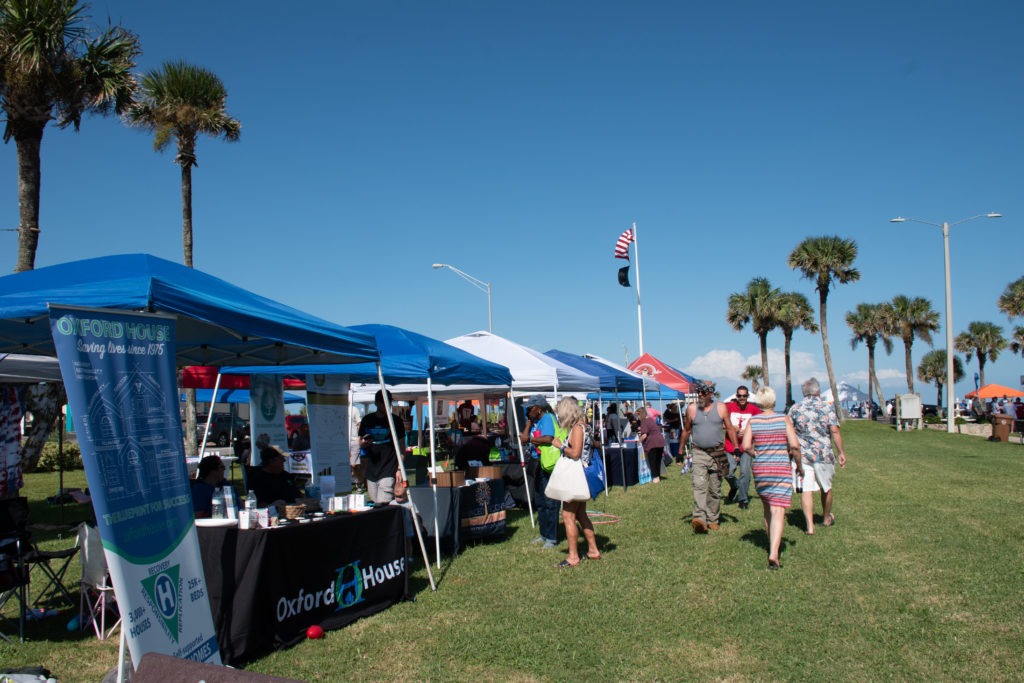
point(921, 578)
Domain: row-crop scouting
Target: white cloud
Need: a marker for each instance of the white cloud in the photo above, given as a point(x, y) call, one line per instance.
point(730, 364)
point(883, 374)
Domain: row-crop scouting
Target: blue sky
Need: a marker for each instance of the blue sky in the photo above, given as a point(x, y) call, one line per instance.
point(517, 140)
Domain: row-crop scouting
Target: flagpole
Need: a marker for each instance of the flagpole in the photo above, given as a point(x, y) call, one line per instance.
point(639, 316)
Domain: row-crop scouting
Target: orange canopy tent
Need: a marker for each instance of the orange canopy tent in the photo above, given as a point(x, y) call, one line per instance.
point(996, 391)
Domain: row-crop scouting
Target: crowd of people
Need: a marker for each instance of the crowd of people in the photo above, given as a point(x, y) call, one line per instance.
point(737, 442)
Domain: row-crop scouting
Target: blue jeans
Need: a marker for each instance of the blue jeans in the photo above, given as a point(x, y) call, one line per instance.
point(742, 486)
point(547, 509)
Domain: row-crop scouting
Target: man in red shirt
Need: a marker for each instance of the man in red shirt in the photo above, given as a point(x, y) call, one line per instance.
point(739, 412)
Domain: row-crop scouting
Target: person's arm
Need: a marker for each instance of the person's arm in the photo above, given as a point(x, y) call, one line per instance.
point(838, 438)
point(748, 439)
point(794, 447)
point(574, 449)
point(524, 436)
point(687, 426)
point(730, 428)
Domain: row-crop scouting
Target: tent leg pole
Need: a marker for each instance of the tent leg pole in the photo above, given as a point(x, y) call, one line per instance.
point(604, 458)
point(433, 462)
point(412, 503)
point(522, 458)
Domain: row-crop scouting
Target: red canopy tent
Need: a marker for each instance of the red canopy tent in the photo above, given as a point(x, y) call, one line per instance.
point(665, 374)
point(996, 391)
point(204, 377)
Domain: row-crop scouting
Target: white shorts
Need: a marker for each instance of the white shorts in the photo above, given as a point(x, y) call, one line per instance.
point(817, 476)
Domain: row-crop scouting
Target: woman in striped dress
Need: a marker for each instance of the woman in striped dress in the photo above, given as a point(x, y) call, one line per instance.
point(771, 441)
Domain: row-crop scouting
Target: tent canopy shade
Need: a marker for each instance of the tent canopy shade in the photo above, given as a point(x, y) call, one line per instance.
point(236, 396)
point(996, 391)
point(217, 323)
point(650, 385)
point(531, 370)
point(16, 368)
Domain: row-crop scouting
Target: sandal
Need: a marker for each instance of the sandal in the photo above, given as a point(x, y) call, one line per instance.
point(830, 521)
point(774, 565)
point(565, 564)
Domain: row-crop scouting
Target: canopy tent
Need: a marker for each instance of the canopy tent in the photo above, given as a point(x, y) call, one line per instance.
point(610, 378)
point(531, 370)
point(664, 373)
point(236, 396)
point(995, 391)
point(217, 323)
point(633, 391)
point(411, 357)
point(847, 393)
point(16, 368)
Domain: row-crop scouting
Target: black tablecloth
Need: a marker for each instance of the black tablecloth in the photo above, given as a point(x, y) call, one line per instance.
point(465, 513)
point(267, 586)
point(613, 454)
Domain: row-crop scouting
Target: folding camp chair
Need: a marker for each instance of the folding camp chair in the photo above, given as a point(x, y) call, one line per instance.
point(14, 573)
point(97, 595)
point(15, 520)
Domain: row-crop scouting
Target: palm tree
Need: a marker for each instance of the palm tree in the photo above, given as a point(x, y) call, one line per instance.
point(933, 369)
point(182, 101)
point(1017, 343)
point(913, 318)
point(752, 374)
point(982, 339)
point(822, 260)
point(1012, 300)
point(757, 305)
point(54, 68)
point(871, 323)
point(794, 312)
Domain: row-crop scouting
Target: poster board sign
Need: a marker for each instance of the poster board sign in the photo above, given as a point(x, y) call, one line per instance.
point(119, 372)
point(327, 405)
point(266, 414)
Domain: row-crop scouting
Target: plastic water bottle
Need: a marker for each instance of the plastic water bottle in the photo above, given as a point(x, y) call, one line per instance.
point(217, 504)
point(250, 501)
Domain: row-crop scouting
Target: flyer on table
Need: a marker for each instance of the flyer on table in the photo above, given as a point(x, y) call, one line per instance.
point(119, 373)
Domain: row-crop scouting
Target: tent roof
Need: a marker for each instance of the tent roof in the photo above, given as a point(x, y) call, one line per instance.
point(847, 392)
point(218, 323)
point(408, 357)
point(650, 366)
point(996, 391)
point(531, 370)
point(18, 368)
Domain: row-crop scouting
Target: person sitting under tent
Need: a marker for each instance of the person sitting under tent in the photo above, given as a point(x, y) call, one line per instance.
point(270, 483)
point(209, 477)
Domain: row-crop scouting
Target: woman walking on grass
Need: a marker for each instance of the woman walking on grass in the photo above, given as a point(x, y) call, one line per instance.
point(771, 440)
point(579, 445)
point(654, 443)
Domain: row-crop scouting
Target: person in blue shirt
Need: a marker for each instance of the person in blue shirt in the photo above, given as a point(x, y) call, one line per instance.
point(209, 477)
point(539, 433)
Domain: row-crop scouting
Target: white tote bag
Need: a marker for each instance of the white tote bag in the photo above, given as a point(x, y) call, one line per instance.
point(568, 483)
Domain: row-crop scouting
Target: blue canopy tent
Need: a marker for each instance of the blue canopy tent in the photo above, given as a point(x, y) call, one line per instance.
point(217, 323)
point(407, 356)
point(236, 396)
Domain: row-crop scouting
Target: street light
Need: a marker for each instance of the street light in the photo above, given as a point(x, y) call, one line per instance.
point(479, 284)
point(949, 305)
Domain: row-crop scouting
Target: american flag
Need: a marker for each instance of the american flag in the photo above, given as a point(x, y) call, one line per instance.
point(622, 244)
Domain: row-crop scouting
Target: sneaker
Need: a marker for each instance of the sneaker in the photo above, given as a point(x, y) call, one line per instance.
point(539, 539)
point(731, 497)
point(699, 527)
point(744, 504)
point(549, 544)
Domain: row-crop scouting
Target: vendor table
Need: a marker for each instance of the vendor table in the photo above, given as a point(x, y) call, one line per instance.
point(267, 586)
point(615, 453)
point(465, 513)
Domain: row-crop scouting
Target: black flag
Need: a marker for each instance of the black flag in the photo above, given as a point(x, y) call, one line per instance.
point(624, 276)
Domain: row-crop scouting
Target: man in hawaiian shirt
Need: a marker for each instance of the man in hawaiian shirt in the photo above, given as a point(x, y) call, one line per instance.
point(816, 428)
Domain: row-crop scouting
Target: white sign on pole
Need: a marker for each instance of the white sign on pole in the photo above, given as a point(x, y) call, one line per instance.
point(266, 414)
point(328, 407)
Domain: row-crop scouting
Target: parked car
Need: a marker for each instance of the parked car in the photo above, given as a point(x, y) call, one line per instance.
point(928, 409)
point(221, 429)
point(292, 424)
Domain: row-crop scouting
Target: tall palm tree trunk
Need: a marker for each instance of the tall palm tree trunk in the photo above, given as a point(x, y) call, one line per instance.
point(938, 399)
point(764, 358)
point(28, 143)
point(186, 212)
point(789, 375)
point(822, 297)
point(981, 367)
point(910, 371)
point(878, 390)
point(871, 369)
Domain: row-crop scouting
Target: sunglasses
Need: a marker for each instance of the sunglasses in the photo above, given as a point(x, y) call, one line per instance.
point(742, 395)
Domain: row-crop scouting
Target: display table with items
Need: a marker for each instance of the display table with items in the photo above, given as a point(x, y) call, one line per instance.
point(267, 586)
point(466, 513)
